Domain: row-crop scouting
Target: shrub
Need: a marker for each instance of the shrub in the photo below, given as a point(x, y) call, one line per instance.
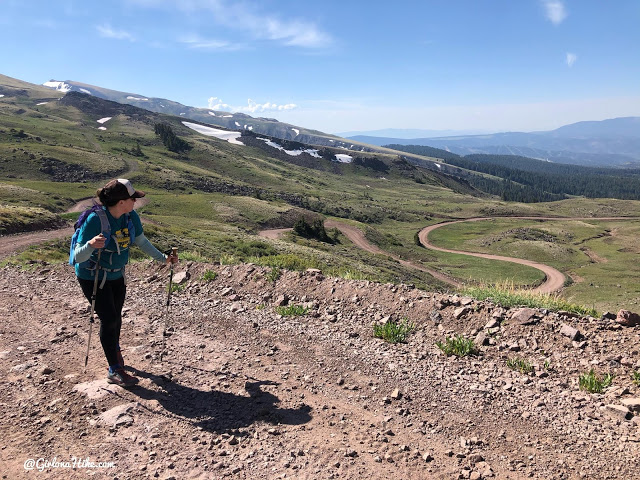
point(458, 345)
point(520, 364)
point(593, 383)
point(314, 230)
point(209, 276)
point(508, 296)
point(292, 310)
point(393, 332)
point(274, 275)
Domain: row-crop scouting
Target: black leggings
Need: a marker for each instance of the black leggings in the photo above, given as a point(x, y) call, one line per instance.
point(109, 302)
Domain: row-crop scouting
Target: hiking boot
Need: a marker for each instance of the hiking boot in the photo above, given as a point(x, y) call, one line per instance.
point(122, 378)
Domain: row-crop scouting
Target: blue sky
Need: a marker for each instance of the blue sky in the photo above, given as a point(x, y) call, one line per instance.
point(336, 66)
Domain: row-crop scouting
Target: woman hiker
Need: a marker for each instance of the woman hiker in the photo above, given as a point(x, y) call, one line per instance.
point(118, 199)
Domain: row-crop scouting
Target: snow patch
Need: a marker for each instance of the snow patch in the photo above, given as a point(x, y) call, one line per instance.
point(60, 86)
point(1, 96)
point(41, 103)
point(102, 128)
point(210, 113)
point(105, 119)
point(343, 158)
point(237, 124)
point(296, 130)
point(438, 165)
point(183, 113)
point(84, 90)
point(231, 137)
point(137, 98)
point(293, 153)
point(227, 116)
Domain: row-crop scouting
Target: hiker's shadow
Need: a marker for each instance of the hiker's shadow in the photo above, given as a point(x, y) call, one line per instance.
point(218, 411)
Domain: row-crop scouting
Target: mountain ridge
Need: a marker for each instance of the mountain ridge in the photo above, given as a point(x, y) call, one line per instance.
point(589, 143)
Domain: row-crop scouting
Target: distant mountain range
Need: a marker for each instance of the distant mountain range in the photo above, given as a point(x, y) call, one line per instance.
point(611, 143)
point(231, 121)
point(411, 133)
point(614, 142)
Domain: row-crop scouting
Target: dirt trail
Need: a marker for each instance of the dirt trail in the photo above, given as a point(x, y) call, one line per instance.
point(357, 237)
point(244, 392)
point(10, 244)
point(555, 279)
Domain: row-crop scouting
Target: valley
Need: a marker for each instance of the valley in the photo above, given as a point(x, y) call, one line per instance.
point(273, 368)
point(215, 198)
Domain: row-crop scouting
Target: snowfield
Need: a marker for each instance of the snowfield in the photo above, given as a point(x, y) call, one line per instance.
point(105, 119)
point(60, 86)
point(344, 158)
point(137, 98)
point(293, 153)
point(231, 137)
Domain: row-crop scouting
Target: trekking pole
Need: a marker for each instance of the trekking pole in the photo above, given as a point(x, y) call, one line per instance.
point(173, 253)
point(93, 306)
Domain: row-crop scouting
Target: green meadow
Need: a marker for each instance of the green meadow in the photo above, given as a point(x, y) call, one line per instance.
point(214, 199)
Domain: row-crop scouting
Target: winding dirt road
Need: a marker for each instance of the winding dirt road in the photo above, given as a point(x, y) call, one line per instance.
point(554, 278)
point(357, 237)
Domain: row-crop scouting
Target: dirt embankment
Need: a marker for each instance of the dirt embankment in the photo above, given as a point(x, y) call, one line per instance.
point(244, 392)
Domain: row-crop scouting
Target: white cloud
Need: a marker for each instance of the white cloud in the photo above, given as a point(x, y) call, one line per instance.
point(248, 17)
point(571, 59)
point(294, 33)
point(108, 32)
point(556, 13)
point(215, 103)
point(196, 42)
point(253, 107)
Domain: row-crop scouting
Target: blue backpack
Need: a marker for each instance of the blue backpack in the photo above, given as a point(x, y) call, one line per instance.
point(105, 227)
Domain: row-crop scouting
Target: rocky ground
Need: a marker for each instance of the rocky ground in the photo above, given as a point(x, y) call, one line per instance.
point(244, 392)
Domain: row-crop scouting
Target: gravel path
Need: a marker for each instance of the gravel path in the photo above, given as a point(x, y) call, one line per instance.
point(244, 392)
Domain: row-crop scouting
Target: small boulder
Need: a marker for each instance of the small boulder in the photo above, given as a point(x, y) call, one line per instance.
point(569, 331)
point(524, 316)
point(181, 277)
point(627, 318)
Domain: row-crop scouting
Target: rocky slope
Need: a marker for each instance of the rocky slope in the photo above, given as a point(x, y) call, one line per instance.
point(244, 392)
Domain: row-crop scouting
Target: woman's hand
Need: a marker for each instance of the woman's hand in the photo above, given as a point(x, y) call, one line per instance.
point(172, 257)
point(98, 241)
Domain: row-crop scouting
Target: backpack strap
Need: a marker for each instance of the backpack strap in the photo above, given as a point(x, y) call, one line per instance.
point(105, 226)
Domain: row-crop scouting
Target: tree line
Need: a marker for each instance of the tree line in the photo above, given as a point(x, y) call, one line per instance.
point(523, 179)
point(170, 139)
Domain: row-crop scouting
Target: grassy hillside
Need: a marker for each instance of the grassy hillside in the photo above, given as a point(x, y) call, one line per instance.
point(214, 197)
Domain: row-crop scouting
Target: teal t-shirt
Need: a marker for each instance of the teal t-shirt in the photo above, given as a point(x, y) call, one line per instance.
point(115, 254)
